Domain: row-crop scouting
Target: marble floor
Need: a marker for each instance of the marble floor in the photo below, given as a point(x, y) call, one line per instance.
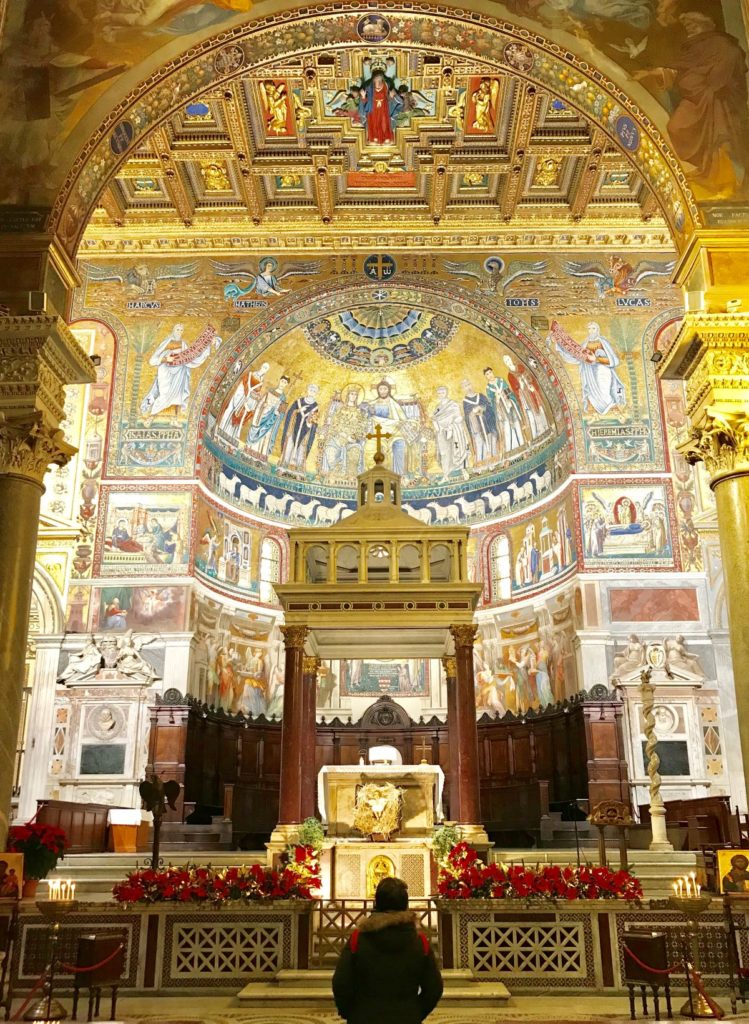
point(561, 1008)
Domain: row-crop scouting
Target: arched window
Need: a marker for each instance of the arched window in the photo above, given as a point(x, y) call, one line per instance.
point(499, 568)
point(270, 569)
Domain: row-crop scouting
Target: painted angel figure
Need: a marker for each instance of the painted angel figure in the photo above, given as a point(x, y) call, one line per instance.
point(140, 279)
point(494, 275)
point(276, 103)
point(485, 104)
point(264, 277)
point(620, 276)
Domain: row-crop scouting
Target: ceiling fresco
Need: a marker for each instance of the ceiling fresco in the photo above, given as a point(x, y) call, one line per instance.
point(296, 91)
point(683, 59)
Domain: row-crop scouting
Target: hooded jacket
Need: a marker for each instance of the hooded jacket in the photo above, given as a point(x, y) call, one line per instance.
point(390, 975)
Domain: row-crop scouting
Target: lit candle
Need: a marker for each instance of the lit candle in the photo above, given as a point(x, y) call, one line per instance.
point(72, 890)
point(699, 888)
point(676, 889)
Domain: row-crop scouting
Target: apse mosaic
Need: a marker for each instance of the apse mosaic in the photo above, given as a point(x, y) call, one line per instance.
point(469, 372)
point(520, 558)
point(236, 555)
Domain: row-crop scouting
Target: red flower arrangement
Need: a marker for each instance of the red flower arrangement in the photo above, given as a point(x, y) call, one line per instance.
point(41, 845)
point(464, 876)
point(298, 879)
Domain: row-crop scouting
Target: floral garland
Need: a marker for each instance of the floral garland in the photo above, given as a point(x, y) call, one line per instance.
point(464, 876)
point(41, 845)
point(298, 878)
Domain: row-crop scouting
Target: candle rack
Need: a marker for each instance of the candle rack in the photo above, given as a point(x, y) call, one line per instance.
point(54, 911)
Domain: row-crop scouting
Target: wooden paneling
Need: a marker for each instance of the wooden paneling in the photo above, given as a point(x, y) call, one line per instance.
point(573, 751)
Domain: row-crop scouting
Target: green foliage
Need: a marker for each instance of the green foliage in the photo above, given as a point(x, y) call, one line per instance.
point(443, 841)
point(311, 833)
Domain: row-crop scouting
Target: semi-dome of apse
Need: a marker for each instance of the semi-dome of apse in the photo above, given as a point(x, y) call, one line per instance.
point(476, 417)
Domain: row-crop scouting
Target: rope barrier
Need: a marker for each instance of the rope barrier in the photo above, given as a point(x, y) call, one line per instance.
point(65, 967)
point(647, 967)
point(94, 967)
point(37, 985)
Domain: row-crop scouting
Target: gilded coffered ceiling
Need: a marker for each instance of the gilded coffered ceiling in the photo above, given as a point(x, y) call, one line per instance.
point(376, 142)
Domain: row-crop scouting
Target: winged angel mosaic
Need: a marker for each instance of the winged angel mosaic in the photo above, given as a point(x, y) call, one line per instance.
point(494, 275)
point(140, 279)
point(263, 276)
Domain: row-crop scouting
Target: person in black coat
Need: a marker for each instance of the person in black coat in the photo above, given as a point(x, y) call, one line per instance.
point(387, 971)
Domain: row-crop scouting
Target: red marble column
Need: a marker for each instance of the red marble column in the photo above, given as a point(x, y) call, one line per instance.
point(463, 736)
point(292, 727)
point(451, 674)
point(311, 667)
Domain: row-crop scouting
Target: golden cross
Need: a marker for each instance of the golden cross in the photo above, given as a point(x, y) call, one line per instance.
point(379, 436)
point(424, 749)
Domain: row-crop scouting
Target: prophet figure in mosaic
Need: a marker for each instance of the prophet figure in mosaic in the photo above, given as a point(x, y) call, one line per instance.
point(174, 358)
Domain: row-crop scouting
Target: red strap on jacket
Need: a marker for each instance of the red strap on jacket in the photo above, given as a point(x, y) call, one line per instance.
point(354, 942)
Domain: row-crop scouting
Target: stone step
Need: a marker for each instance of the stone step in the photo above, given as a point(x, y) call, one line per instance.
point(322, 978)
point(95, 873)
point(312, 989)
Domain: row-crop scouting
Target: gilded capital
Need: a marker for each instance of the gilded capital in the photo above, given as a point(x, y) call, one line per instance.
point(450, 666)
point(28, 447)
point(310, 665)
point(38, 357)
point(721, 441)
point(294, 636)
point(464, 636)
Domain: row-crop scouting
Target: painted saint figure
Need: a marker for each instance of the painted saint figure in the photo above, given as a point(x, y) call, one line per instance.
point(451, 436)
point(343, 448)
point(266, 420)
point(601, 385)
point(242, 403)
point(379, 103)
point(506, 410)
point(299, 430)
point(529, 398)
point(481, 423)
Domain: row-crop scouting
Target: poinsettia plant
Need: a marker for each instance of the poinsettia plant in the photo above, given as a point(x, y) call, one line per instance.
point(464, 876)
point(42, 847)
point(298, 878)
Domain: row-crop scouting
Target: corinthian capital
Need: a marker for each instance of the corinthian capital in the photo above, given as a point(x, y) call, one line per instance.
point(29, 446)
point(464, 636)
point(721, 441)
point(450, 666)
point(294, 636)
point(310, 665)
